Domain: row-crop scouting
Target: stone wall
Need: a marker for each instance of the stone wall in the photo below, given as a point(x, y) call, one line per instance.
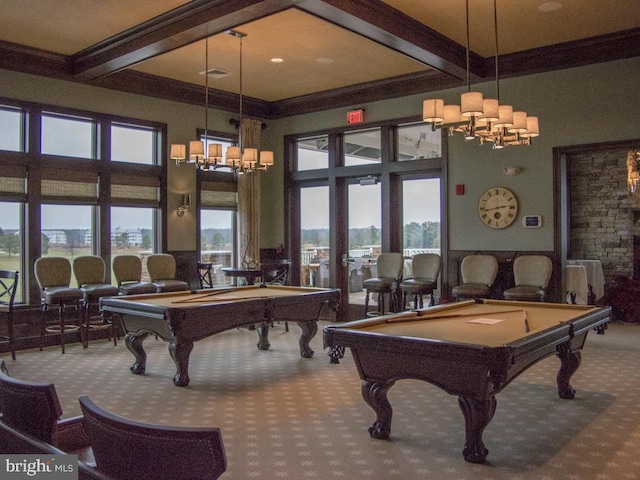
point(604, 217)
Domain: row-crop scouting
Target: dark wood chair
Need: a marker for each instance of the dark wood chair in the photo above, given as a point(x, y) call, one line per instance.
point(126, 449)
point(34, 409)
point(15, 442)
point(276, 273)
point(8, 286)
point(205, 276)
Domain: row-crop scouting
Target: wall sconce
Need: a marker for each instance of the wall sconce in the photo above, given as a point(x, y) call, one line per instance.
point(186, 203)
point(511, 171)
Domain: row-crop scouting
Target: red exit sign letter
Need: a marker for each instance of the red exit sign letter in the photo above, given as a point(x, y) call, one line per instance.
point(355, 116)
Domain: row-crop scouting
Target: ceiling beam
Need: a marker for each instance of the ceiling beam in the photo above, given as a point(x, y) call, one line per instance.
point(181, 26)
point(199, 19)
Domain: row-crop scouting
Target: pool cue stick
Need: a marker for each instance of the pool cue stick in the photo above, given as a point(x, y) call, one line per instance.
point(526, 322)
point(451, 315)
point(205, 295)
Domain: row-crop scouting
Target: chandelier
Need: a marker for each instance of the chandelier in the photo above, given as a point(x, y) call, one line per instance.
point(482, 118)
point(238, 158)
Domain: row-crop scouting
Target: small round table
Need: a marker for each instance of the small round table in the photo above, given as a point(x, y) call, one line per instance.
point(249, 274)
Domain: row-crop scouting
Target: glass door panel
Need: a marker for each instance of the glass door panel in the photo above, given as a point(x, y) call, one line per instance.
point(365, 221)
point(314, 236)
point(421, 217)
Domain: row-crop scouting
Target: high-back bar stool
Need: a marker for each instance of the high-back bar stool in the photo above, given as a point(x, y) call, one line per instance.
point(90, 272)
point(162, 271)
point(54, 277)
point(389, 268)
point(128, 272)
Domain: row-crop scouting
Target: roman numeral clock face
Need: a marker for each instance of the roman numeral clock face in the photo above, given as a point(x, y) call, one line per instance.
point(498, 207)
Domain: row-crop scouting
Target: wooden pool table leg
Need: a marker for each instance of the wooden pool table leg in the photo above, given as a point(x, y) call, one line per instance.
point(133, 341)
point(570, 360)
point(180, 351)
point(477, 415)
point(375, 394)
point(309, 330)
point(263, 335)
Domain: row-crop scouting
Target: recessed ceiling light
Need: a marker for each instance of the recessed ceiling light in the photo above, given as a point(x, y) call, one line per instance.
point(325, 60)
point(277, 60)
point(550, 6)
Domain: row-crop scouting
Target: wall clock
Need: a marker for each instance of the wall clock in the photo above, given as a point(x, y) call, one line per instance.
point(498, 207)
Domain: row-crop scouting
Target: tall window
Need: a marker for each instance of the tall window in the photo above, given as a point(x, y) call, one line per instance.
point(11, 239)
point(421, 216)
point(66, 231)
point(218, 222)
point(386, 199)
point(217, 240)
point(81, 204)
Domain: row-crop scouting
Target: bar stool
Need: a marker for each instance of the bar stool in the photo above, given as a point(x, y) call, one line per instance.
point(389, 267)
point(90, 273)
point(54, 276)
point(162, 271)
point(426, 268)
point(532, 274)
point(128, 272)
point(478, 275)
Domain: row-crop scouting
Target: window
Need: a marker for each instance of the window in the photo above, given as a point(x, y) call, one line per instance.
point(66, 232)
point(69, 137)
point(217, 240)
point(132, 233)
point(11, 240)
point(419, 141)
point(312, 153)
point(362, 148)
point(218, 224)
point(133, 144)
point(11, 130)
point(421, 216)
point(82, 204)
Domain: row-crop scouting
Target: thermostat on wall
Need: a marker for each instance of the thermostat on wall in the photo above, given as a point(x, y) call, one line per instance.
point(532, 221)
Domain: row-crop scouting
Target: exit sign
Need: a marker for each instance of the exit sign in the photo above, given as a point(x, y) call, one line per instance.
point(355, 116)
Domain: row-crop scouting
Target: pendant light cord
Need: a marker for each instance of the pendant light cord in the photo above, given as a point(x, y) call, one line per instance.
point(495, 27)
point(468, 62)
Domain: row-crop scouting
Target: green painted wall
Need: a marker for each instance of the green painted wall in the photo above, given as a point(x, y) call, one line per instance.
point(592, 104)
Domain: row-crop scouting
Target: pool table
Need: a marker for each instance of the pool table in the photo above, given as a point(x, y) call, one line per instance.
point(472, 349)
point(181, 318)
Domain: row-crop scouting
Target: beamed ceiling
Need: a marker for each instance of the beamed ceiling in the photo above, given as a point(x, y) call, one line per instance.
point(335, 53)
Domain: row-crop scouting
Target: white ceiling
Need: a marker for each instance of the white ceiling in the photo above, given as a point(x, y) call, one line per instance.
point(317, 55)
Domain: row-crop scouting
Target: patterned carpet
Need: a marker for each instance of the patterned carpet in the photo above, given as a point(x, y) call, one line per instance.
point(285, 417)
